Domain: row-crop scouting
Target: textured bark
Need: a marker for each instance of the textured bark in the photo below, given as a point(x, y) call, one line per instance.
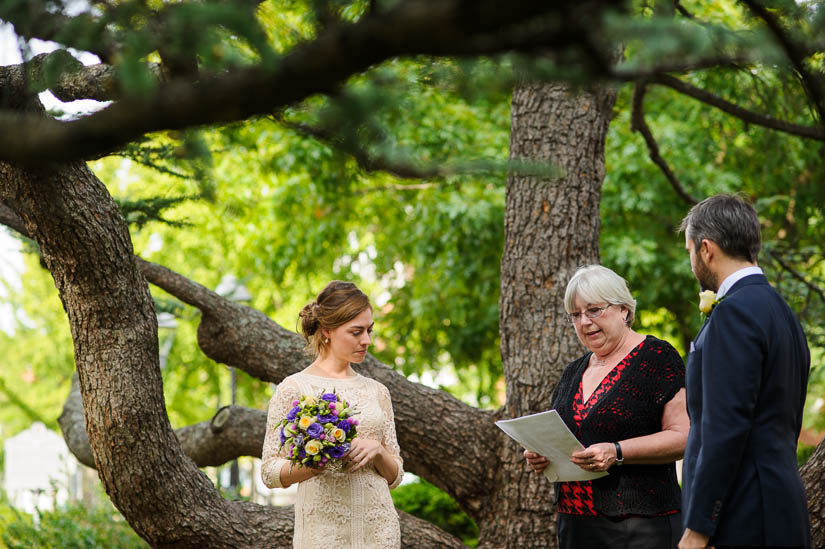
point(551, 227)
point(233, 432)
point(813, 476)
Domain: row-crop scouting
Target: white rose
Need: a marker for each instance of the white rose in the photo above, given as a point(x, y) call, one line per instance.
point(706, 300)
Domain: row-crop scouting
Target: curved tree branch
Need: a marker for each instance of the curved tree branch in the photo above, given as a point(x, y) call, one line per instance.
point(639, 124)
point(809, 132)
point(75, 81)
point(436, 27)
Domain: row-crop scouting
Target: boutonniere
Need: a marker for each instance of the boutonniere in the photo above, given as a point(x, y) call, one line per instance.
point(707, 301)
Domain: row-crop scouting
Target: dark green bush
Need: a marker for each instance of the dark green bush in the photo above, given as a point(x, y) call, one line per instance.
point(69, 527)
point(425, 501)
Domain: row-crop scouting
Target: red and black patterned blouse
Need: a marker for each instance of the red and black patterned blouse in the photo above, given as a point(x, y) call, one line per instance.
point(627, 403)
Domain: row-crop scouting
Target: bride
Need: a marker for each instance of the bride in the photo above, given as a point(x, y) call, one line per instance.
point(351, 508)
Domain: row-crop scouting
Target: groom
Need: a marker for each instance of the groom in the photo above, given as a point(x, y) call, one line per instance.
point(747, 373)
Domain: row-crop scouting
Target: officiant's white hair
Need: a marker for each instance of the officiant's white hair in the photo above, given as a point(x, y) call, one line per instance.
point(597, 284)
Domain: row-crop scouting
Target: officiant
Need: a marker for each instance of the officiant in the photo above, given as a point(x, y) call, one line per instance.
point(625, 402)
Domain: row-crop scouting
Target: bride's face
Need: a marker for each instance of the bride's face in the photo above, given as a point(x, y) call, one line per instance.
point(350, 341)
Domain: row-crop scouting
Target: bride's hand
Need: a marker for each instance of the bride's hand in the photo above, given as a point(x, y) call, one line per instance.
point(363, 451)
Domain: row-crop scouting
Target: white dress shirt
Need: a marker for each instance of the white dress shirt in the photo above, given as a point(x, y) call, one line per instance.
point(735, 277)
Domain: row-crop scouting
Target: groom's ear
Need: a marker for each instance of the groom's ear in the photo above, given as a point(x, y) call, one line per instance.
point(708, 249)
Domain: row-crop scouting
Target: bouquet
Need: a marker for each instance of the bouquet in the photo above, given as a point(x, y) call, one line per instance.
point(317, 431)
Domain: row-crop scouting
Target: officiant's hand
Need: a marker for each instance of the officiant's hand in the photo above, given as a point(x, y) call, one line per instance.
point(596, 457)
point(537, 462)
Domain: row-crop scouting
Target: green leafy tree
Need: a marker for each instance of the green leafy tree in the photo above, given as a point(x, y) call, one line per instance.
point(308, 100)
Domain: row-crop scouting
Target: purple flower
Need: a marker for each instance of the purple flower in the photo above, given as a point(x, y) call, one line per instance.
point(315, 430)
point(329, 397)
point(326, 418)
point(283, 437)
point(295, 403)
point(344, 425)
point(339, 451)
point(293, 413)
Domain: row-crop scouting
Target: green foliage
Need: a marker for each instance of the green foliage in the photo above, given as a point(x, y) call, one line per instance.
point(38, 357)
point(141, 212)
point(803, 454)
point(425, 501)
point(71, 527)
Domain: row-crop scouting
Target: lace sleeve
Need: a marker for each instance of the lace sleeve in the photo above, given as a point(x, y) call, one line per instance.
point(273, 457)
point(389, 440)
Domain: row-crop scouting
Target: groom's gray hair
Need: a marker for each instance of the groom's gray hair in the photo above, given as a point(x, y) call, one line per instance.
point(598, 284)
point(729, 221)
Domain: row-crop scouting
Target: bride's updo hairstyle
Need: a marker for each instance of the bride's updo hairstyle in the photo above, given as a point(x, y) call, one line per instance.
point(336, 305)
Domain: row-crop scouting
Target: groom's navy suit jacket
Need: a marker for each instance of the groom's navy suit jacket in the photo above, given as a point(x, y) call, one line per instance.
point(746, 379)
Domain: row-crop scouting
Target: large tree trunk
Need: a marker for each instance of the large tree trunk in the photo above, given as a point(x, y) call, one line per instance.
point(813, 476)
point(551, 227)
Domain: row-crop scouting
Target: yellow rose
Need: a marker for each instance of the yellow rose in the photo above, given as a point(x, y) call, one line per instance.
point(305, 422)
point(313, 447)
point(309, 400)
point(706, 300)
point(339, 435)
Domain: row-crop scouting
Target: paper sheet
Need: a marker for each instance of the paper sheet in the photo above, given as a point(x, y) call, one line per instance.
point(545, 433)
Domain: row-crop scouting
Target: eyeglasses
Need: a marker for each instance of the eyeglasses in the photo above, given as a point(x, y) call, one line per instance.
point(592, 312)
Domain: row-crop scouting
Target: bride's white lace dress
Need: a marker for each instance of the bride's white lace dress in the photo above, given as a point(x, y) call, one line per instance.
point(341, 510)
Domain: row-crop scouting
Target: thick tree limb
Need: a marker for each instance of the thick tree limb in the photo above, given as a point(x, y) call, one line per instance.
point(809, 132)
point(436, 27)
point(639, 124)
point(233, 432)
point(98, 82)
point(796, 54)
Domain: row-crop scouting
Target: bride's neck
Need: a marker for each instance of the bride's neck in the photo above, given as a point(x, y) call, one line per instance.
point(329, 366)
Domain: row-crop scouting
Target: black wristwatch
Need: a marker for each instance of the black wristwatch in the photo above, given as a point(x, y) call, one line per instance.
point(619, 458)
